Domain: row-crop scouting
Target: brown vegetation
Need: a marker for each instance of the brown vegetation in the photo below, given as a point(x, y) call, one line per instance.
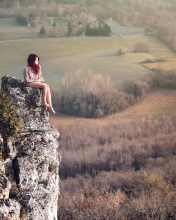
point(43, 30)
point(131, 164)
point(164, 78)
point(91, 96)
point(159, 101)
point(141, 47)
point(121, 52)
point(102, 30)
point(155, 60)
point(137, 88)
point(128, 13)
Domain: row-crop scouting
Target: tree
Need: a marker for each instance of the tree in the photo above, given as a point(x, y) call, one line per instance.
point(89, 2)
point(51, 20)
point(8, 3)
point(5, 3)
point(43, 30)
point(31, 18)
point(22, 20)
point(69, 28)
point(141, 47)
point(9, 120)
point(16, 3)
point(54, 24)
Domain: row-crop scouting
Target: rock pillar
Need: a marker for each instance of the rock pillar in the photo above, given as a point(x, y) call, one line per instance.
point(34, 157)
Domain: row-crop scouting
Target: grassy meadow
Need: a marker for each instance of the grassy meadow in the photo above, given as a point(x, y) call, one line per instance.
point(158, 49)
point(72, 54)
point(67, 55)
point(11, 30)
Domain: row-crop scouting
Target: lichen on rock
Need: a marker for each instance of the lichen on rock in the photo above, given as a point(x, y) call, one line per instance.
point(32, 152)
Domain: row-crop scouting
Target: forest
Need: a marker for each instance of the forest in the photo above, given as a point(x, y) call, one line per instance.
point(151, 14)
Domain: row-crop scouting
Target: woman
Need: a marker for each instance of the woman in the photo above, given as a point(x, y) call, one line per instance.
point(33, 78)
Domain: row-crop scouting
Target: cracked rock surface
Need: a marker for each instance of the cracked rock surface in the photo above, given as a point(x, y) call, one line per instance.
point(32, 152)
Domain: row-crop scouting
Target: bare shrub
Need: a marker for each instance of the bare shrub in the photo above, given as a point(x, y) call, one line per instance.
point(102, 30)
point(137, 88)
point(31, 18)
point(146, 207)
point(164, 78)
point(121, 52)
point(170, 171)
point(135, 157)
point(91, 96)
point(153, 201)
point(77, 23)
point(43, 30)
point(22, 20)
point(155, 60)
point(91, 205)
point(52, 33)
point(34, 24)
point(153, 182)
point(141, 47)
point(123, 146)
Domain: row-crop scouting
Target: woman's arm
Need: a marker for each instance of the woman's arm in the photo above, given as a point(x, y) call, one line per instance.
point(40, 76)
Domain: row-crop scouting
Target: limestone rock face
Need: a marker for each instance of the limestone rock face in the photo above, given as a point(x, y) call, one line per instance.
point(9, 209)
point(34, 153)
point(4, 187)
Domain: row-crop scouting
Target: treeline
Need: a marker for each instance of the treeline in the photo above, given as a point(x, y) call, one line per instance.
point(17, 3)
point(156, 15)
point(128, 165)
point(163, 78)
point(93, 95)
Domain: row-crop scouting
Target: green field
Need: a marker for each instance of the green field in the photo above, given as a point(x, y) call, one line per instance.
point(68, 55)
point(11, 30)
point(72, 54)
point(158, 49)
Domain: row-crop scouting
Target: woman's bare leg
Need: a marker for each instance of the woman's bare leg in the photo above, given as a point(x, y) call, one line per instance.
point(48, 98)
point(44, 88)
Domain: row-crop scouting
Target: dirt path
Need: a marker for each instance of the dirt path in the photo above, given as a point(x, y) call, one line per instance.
point(158, 102)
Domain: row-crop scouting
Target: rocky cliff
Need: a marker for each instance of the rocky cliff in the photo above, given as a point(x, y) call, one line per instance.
point(34, 162)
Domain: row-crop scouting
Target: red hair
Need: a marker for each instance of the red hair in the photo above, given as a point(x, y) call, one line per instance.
point(31, 63)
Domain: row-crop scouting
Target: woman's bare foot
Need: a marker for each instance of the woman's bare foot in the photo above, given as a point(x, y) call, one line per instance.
point(51, 108)
point(46, 105)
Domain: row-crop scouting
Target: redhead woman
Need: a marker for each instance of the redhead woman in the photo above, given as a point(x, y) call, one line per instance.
point(33, 78)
